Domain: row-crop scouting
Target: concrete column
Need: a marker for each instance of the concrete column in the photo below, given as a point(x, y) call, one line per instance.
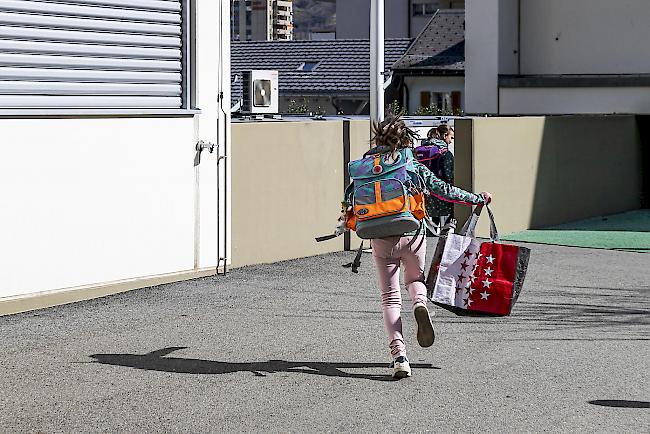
point(377, 60)
point(482, 56)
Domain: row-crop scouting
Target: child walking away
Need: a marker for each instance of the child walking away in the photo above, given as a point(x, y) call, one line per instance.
point(392, 141)
point(435, 154)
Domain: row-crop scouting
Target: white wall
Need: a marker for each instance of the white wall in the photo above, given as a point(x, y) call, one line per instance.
point(585, 37)
point(433, 84)
point(212, 71)
point(508, 37)
point(552, 37)
point(94, 200)
point(353, 19)
point(88, 201)
point(481, 56)
point(534, 101)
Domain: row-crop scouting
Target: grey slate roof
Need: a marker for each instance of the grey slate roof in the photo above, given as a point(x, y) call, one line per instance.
point(344, 67)
point(440, 47)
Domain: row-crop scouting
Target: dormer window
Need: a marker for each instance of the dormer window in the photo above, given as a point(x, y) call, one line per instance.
point(424, 9)
point(308, 66)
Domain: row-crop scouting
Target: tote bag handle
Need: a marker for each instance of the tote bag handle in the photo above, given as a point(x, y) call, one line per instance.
point(470, 225)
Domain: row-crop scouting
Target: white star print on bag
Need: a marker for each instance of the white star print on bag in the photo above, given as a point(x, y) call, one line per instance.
point(456, 270)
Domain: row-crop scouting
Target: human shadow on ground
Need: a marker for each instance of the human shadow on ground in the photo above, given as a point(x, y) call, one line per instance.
point(156, 361)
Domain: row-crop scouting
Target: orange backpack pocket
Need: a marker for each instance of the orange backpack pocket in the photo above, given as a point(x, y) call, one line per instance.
point(351, 220)
point(416, 205)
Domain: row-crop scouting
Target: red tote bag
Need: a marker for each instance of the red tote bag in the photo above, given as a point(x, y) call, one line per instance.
point(473, 277)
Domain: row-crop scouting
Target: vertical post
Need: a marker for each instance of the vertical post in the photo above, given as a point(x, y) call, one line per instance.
point(482, 55)
point(377, 60)
point(223, 119)
point(241, 4)
point(346, 174)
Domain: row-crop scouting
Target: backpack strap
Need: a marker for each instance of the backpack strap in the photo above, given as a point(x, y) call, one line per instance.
point(356, 263)
point(377, 150)
point(326, 237)
point(376, 168)
point(357, 260)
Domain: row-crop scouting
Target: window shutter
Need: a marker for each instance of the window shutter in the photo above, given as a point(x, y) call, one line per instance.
point(425, 99)
point(455, 101)
point(91, 54)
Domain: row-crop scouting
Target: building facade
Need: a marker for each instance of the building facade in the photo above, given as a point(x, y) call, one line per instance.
point(557, 57)
point(112, 101)
point(404, 18)
point(430, 77)
point(261, 20)
point(317, 76)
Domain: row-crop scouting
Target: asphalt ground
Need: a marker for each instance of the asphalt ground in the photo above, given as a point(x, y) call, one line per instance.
point(299, 346)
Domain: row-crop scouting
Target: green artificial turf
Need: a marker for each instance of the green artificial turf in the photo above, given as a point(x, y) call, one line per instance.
point(629, 231)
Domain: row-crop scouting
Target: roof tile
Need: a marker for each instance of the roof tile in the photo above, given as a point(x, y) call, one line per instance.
point(344, 64)
point(440, 46)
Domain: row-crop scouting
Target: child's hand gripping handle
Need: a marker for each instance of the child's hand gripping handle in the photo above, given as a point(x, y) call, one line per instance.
point(470, 225)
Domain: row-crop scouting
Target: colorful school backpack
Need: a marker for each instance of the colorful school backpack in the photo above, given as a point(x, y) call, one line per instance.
point(386, 198)
point(429, 155)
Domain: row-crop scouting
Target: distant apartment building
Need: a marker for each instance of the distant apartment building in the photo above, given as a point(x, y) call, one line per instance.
point(261, 20)
point(404, 18)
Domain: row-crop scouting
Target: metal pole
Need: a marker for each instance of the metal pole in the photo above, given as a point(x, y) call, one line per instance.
point(377, 60)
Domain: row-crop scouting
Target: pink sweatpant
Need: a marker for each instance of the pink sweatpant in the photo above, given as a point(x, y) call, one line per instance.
point(387, 254)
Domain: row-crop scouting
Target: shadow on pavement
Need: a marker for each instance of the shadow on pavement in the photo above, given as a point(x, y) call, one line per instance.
point(629, 231)
point(606, 313)
point(155, 361)
point(631, 221)
point(557, 315)
point(620, 403)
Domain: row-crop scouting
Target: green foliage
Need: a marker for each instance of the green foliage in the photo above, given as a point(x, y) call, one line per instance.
point(396, 109)
point(435, 111)
point(296, 108)
point(302, 108)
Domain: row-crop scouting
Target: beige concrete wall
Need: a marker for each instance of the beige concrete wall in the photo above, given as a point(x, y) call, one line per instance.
point(288, 177)
point(550, 170)
point(359, 144)
point(463, 164)
point(287, 183)
point(359, 138)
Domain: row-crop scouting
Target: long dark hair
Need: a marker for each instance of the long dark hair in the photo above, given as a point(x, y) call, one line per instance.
point(392, 132)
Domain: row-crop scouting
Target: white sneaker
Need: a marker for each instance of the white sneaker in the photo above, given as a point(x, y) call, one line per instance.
point(401, 367)
point(425, 332)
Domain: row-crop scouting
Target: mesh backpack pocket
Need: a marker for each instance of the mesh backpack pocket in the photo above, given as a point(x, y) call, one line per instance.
point(380, 198)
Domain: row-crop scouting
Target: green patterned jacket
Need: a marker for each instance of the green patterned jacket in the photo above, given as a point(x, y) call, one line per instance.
point(437, 207)
point(437, 189)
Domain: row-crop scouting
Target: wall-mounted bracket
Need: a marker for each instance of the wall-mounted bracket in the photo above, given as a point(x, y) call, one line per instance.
point(200, 146)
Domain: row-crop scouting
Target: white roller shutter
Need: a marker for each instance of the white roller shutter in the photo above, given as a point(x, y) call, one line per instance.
point(107, 54)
